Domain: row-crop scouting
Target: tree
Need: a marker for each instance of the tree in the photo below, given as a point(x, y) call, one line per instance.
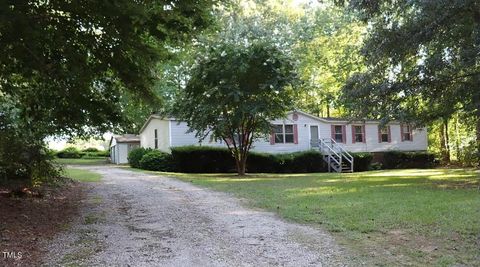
point(423, 61)
point(65, 64)
point(327, 58)
point(233, 93)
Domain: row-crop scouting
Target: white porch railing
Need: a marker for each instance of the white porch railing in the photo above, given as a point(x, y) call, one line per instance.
point(336, 157)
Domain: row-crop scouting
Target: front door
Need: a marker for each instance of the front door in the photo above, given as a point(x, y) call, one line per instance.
point(313, 135)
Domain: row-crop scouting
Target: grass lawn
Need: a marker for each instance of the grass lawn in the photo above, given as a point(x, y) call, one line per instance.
point(82, 175)
point(394, 217)
point(81, 161)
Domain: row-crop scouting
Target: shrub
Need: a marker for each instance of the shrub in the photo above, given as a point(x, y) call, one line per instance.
point(98, 154)
point(69, 152)
point(198, 159)
point(156, 160)
point(308, 161)
point(136, 155)
point(362, 161)
point(469, 156)
point(262, 162)
point(375, 166)
point(90, 149)
point(402, 160)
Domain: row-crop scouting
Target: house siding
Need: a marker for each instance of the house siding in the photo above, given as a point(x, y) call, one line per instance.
point(147, 136)
point(180, 137)
point(303, 134)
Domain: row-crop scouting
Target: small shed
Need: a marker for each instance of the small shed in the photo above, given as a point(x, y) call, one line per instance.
point(121, 145)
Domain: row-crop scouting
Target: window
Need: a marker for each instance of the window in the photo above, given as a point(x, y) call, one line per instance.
point(406, 132)
point(284, 133)
point(338, 133)
point(384, 134)
point(358, 134)
point(156, 138)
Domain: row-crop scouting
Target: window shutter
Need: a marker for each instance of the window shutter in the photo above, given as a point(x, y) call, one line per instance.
point(295, 133)
point(389, 134)
point(332, 127)
point(344, 134)
point(353, 134)
point(364, 134)
point(379, 134)
point(272, 138)
point(401, 132)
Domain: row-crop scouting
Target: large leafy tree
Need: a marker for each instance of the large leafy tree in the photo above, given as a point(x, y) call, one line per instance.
point(328, 54)
point(64, 65)
point(423, 61)
point(233, 93)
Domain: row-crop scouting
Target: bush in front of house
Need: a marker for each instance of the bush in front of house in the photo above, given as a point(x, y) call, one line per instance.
point(198, 159)
point(136, 155)
point(404, 160)
point(156, 160)
point(362, 161)
point(262, 162)
point(309, 161)
point(202, 159)
point(301, 162)
point(69, 153)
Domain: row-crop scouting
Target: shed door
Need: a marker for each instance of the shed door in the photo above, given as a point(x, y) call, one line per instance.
point(314, 135)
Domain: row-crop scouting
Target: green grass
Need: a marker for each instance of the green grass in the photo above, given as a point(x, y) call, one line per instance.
point(82, 161)
point(82, 175)
point(401, 216)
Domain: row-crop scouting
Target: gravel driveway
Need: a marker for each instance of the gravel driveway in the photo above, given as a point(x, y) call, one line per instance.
point(136, 219)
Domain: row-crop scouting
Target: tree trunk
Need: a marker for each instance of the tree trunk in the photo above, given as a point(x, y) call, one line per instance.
point(445, 142)
point(241, 169)
point(457, 138)
point(443, 149)
point(477, 115)
point(478, 131)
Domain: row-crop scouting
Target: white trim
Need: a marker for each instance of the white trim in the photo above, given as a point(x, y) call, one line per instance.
point(169, 133)
point(334, 121)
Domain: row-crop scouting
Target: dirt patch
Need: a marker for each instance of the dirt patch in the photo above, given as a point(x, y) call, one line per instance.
point(27, 222)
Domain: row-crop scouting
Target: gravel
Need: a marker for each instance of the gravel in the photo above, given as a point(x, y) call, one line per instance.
point(137, 219)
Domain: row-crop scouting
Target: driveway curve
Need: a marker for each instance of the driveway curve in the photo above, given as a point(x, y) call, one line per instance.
point(137, 219)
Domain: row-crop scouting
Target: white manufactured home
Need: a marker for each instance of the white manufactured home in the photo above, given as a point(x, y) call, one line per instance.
point(300, 131)
point(120, 145)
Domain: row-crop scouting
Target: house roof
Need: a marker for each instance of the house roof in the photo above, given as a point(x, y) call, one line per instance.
point(155, 116)
point(322, 119)
point(331, 119)
point(126, 138)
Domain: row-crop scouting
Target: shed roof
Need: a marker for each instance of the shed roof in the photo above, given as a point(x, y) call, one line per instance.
point(126, 138)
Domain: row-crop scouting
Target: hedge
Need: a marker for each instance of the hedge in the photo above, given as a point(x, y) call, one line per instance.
point(135, 155)
point(202, 159)
point(70, 153)
point(197, 159)
point(362, 161)
point(403, 160)
point(156, 160)
point(97, 154)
